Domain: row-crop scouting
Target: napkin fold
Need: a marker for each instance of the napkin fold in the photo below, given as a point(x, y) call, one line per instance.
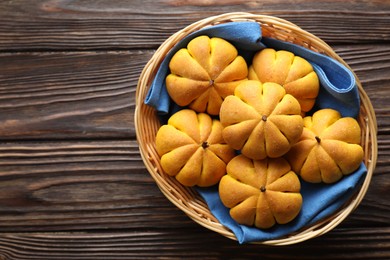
point(338, 90)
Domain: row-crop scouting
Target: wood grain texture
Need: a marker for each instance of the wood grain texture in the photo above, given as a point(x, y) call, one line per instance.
point(72, 95)
point(176, 244)
point(72, 181)
point(79, 185)
point(64, 24)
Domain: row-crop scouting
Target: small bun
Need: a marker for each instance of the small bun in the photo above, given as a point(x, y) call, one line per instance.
point(261, 193)
point(261, 120)
point(192, 149)
point(328, 149)
point(294, 73)
point(204, 73)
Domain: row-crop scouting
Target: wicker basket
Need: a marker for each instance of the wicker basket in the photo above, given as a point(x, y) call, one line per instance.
point(187, 199)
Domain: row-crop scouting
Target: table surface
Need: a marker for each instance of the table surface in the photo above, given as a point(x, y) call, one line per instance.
point(72, 181)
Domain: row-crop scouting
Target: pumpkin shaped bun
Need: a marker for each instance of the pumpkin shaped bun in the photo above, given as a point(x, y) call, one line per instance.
point(192, 148)
point(261, 120)
point(204, 73)
point(294, 73)
point(328, 149)
point(261, 192)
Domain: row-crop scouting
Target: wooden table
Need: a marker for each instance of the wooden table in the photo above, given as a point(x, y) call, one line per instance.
point(72, 182)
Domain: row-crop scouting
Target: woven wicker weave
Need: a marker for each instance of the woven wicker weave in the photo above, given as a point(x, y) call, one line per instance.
point(187, 199)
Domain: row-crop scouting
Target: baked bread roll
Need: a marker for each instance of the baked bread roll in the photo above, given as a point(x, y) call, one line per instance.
point(328, 149)
point(261, 193)
point(204, 73)
point(294, 73)
point(261, 120)
point(192, 149)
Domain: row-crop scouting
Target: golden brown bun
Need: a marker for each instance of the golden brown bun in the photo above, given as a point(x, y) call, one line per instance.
point(192, 148)
point(204, 73)
point(261, 193)
point(328, 148)
point(294, 73)
point(261, 120)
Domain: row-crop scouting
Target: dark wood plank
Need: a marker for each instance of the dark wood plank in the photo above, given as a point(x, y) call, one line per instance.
point(91, 94)
point(191, 243)
point(79, 185)
point(69, 95)
point(86, 185)
point(64, 25)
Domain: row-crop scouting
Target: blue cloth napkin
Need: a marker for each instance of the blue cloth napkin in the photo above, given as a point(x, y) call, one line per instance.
point(338, 91)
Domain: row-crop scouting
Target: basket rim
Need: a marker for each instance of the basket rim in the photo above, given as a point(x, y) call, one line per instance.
point(367, 118)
